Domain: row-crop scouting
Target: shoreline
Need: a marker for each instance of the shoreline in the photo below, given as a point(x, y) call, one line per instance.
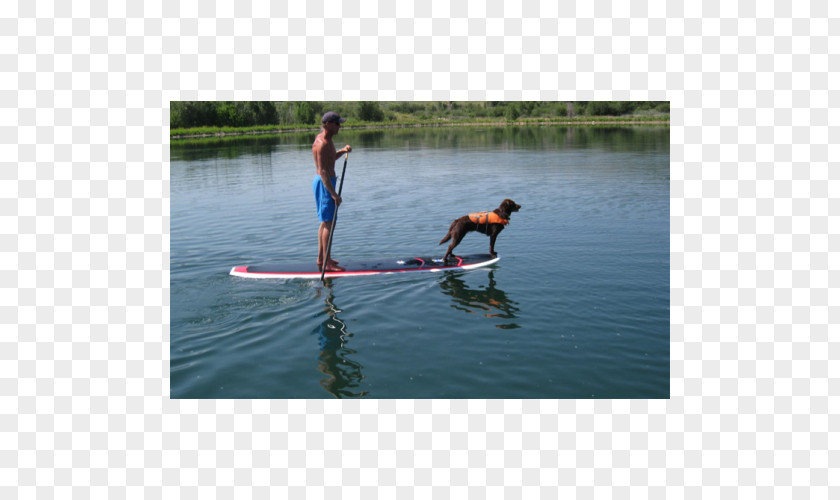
point(421, 125)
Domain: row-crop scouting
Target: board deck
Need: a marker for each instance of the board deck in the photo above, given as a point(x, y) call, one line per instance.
point(365, 268)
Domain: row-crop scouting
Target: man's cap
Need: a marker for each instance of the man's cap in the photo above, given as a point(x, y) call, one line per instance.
point(332, 116)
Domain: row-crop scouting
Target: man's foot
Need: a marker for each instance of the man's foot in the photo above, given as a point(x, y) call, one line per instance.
point(333, 267)
point(331, 262)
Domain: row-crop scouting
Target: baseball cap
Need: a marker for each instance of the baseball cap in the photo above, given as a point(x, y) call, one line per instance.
point(332, 116)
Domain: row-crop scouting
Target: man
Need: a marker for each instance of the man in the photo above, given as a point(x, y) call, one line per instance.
point(326, 197)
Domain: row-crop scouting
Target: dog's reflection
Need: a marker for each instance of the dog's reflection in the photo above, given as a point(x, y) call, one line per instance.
point(490, 302)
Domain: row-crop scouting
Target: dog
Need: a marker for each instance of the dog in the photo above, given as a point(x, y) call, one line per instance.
point(489, 223)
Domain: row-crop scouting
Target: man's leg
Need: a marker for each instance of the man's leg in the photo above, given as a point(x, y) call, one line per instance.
point(323, 241)
point(323, 238)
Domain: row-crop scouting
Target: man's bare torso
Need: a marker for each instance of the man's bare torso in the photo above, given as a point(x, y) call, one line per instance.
point(323, 151)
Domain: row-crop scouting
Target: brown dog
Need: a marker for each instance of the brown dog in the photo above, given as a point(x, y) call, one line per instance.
point(489, 223)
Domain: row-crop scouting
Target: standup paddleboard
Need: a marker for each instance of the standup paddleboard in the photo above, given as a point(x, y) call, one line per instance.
point(365, 268)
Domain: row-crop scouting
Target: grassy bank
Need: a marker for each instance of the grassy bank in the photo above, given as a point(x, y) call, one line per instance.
point(197, 132)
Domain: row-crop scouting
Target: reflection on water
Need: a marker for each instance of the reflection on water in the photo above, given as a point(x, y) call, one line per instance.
point(612, 138)
point(343, 375)
point(490, 302)
point(370, 138)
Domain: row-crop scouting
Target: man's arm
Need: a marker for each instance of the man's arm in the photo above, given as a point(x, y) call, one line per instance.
point(340, 153)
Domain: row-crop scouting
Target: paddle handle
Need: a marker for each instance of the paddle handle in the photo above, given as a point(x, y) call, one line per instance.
point(335, 216)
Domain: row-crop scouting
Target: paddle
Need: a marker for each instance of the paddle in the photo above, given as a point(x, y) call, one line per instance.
point(335, 215)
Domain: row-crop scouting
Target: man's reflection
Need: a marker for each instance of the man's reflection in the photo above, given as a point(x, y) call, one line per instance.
point(343, 375)
point(490, 301)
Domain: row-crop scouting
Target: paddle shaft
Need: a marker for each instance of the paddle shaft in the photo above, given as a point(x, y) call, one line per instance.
point(335, 216)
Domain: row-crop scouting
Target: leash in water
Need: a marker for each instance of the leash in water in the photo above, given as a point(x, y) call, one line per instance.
point(335, 216)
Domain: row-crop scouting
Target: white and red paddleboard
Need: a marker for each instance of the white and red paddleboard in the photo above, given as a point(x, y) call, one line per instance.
point(365, 268)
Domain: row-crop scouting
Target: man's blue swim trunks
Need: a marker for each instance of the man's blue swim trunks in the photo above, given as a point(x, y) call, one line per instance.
point(323, 201)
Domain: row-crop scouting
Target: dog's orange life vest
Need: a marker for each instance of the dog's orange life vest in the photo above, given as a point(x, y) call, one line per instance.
point(487, 218)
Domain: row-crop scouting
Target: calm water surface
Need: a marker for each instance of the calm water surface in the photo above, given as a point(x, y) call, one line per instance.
point(577, 307)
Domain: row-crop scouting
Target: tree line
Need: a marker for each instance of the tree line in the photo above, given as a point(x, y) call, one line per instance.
point(186, 114)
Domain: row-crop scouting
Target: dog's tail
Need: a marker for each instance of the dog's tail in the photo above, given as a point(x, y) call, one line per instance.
point(449, 232)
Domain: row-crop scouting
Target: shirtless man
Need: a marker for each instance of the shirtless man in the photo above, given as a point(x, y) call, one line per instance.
point(326, 198)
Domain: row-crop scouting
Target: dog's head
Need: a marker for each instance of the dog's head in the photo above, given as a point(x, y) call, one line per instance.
point(509, 206)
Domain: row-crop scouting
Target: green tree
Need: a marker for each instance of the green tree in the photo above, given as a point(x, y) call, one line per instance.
point(304, 113)
point(512, 111)
point(265, 112)
point(176, 114)
point(527, 107)
point(370, 111)
point(600, 108)
point(228, 114)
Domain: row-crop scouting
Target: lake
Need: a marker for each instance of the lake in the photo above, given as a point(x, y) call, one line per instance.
point(577, 306)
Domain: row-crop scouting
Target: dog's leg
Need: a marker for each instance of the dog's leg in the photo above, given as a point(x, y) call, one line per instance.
point(456, 238)
point(493, 243)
